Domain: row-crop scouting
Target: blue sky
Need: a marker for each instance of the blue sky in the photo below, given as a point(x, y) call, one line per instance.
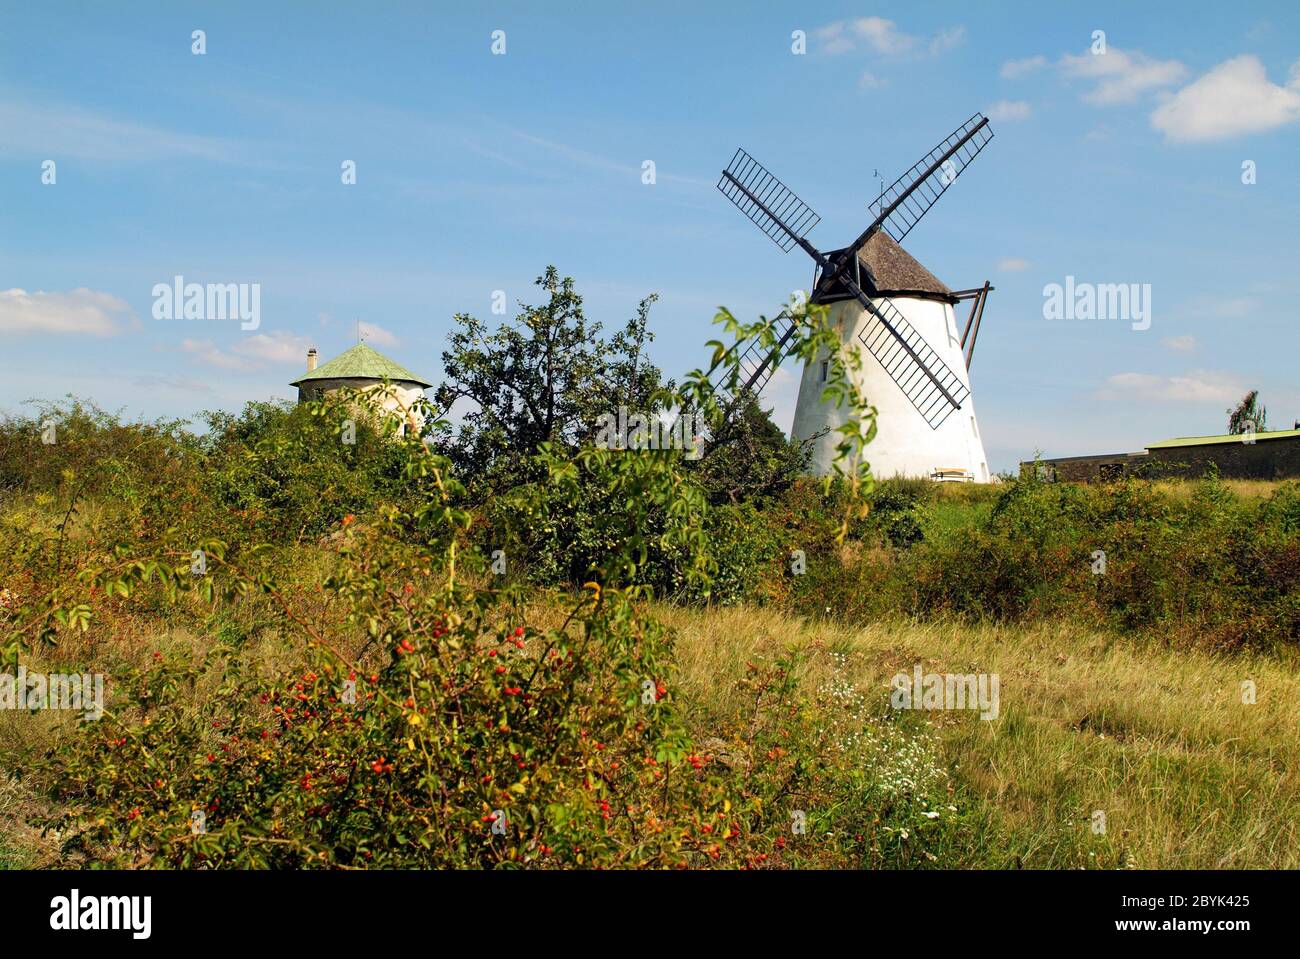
point(475, 171)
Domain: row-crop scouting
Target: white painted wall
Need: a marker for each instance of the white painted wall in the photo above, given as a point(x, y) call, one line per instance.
point(904, 444)
point(399, 396)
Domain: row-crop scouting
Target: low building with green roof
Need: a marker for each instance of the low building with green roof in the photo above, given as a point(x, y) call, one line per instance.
point(362, 368)
point(1234, 438)
point(1268, 455)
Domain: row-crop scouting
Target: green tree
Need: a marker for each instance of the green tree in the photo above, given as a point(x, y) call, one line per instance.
point(1248, 414)
point(751, 457)
point(545, 378)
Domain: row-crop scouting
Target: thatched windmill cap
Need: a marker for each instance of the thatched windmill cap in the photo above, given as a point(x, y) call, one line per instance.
point(897, 273)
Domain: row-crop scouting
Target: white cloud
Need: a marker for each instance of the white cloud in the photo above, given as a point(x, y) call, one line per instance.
point(1179, 344)
point(834, 38)
point(1013, 69)
point(374, 333)
point(947, 39)
point(209, 354)
point(1012, 264)
point(251, 352)
point(78, 311)
point(1009, 110)
point(277, 347)
point(1196, 386)
point(1233, 99)
point(1121, 76)
point(883, 37)
point(869, 81)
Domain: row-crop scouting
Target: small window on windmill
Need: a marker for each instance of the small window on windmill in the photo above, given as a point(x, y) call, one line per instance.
point(974, 429)
point(826, 367)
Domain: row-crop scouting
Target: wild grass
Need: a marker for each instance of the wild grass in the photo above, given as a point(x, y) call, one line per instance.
point(1158, 740)
point(1182, 490)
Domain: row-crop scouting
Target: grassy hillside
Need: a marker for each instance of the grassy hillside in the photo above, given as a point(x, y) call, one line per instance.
point(659, 676)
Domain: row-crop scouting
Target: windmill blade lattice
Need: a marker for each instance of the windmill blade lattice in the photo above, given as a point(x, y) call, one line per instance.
point(910, 196)
point(924, 378)
point(767, 201)
point(756, 364)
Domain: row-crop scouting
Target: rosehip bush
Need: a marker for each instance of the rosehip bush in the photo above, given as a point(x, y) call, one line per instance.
point(431, 727)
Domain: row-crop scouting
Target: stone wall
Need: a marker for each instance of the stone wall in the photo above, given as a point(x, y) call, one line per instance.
point(1263, 459)
point(1085, 469)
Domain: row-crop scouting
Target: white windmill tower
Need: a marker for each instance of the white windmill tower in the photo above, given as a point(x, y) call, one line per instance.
point(916, 373)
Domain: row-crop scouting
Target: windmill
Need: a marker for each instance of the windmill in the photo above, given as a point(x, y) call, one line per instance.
point(903, 316)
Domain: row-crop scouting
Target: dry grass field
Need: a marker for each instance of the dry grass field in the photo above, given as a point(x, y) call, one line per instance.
point(1159, 740)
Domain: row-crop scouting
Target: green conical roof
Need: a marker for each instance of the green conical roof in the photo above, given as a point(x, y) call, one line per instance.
point(361, 362)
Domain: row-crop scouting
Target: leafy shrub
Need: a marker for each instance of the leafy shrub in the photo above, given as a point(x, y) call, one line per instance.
point(73, 445)
point(434, 727)
point(1209, 568)
point(287, 471)
point(896, 512)
point(751, 460)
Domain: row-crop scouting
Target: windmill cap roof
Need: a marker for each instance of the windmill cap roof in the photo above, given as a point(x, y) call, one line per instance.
point(897, 272)
point(361, 362)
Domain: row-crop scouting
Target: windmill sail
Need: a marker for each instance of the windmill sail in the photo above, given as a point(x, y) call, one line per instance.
point(924, 378)
point(767, 201)
point(910, 196)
